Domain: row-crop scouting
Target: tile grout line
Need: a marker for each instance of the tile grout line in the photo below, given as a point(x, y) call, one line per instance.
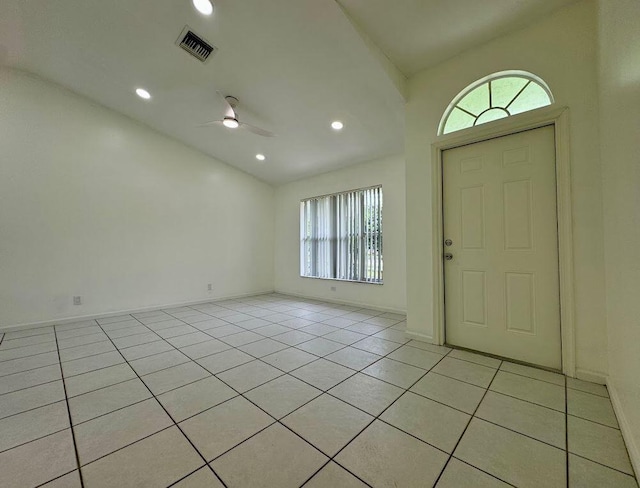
point(535, 379)
point(237, 324)
point(8, 342)
point(331, 460)
point(299, 407)
point(551, 445)
point(36, 438)
point(320, 357)
point(278, 421)
point(170, 417)
point(519, 433)
point(526, 401)
point(239, 394)
point(593, 422)
point(588, 392)
point(356, 371)
point(66, 400)
point(473, 415)
point(191, 473)
point(127, 445)
point(481, 470)
point(328, 392)
point(604, 465)
point(191, 359)
point(32, 369)
point(377, 417)
point(287, 372)
point(313, 361)
point(221, 339)
point(27, 356)
point(103, 415)
point(91, 391)
point(128, 317)
point(293, 316)
point(374, 418)
point(4, 335)
point(112, 411)
point(59, 477)
point(123, 362)
point(129, 379)
point(86, 344)
point(32, 386)
point(31, 410)
point(323, 391)
point(457, 379)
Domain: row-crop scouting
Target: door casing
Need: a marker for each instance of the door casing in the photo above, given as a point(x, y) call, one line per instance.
point(559, 119)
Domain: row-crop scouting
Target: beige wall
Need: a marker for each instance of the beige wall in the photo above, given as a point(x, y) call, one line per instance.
point(619, 43)
point(94, 204)
point(389, 172)
point(562, 51)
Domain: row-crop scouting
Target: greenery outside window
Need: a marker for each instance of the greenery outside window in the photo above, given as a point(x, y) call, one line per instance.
point(495, 97)
point(341, 236)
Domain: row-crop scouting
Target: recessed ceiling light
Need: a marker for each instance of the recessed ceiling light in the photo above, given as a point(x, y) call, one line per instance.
point(230, 122)
point(205, 7)
point(142, 93)
point(337, 125)
point(260, 157)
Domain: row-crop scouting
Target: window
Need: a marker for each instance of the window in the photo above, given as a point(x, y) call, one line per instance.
point(495, 97)
point(341, 236)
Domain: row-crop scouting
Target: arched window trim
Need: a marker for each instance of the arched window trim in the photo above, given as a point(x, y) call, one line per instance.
point(492, 77)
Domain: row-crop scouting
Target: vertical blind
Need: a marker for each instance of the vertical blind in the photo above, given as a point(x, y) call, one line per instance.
point(341, 236)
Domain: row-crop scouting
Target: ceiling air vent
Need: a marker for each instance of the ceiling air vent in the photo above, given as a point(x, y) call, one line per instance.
point(195, 45)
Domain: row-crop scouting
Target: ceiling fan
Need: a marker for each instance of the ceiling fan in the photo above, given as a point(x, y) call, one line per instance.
point(230, 119)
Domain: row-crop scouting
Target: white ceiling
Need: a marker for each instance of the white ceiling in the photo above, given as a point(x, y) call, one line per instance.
point(417, 34)
point(295, 66)
point(299, 64)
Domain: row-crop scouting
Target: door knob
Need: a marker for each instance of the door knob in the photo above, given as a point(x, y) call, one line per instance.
point(448, 256)
point(448, 242)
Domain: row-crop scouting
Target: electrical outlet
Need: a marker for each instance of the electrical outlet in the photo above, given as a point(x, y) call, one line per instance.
point(77, 300)
point(333, 288)
point(210, 287)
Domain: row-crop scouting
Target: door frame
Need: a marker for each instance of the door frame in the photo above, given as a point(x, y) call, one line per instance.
point(548, 116)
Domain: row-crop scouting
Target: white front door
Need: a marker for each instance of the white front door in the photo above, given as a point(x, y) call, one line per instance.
point(500, 227)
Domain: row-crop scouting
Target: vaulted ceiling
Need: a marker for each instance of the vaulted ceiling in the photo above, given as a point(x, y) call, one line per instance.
point(295, 66)
point(417, 34)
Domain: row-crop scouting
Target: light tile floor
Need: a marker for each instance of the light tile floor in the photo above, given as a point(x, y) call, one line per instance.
point(272, 391)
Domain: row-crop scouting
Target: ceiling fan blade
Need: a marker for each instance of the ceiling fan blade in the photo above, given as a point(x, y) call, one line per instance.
point(257, 130)
point(228, 111)
point(211, 123)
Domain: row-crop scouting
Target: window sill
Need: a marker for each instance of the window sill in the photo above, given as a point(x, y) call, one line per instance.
point(343, 281)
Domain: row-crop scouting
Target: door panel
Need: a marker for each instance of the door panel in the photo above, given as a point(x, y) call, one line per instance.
point(502, 285)
point(518, 231)
point(472, 217)
point(520, 302)
point(474, 303)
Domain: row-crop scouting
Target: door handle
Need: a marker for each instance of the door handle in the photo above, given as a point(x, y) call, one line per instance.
point(448, 256)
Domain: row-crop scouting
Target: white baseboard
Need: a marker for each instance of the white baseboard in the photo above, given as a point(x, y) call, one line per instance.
point(627, 435)
point(78, 318)
point(591, 376)
point(343, 302)
point(418, 336)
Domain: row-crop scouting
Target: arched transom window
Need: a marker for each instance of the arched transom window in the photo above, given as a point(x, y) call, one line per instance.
point(495, 97)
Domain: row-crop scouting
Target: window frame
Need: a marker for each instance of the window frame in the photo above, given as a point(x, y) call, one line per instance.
point(530, 77)
point(363, 261)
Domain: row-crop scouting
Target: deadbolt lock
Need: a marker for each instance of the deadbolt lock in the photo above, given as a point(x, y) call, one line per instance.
point(448, 242)
point(448, 256)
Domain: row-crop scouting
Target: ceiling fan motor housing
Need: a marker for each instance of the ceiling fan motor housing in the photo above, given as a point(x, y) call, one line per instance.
point(233, 101)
